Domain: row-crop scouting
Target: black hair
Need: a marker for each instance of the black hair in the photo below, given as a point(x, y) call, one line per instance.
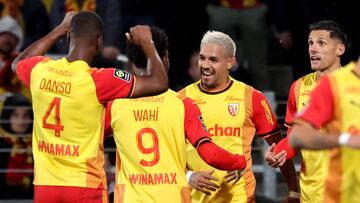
point(335, 29)
point(10, 104)
point(136, 54)
point(87, 24)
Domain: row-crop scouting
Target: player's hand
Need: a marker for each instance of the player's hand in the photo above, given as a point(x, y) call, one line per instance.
point(354, 141)
point(275, 160)
point(234, 176)
point(65, 24)
point(140, 35)
point(203, 181)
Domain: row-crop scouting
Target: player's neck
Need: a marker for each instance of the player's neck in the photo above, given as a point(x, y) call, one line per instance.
point(218, 88)
point(80, 53)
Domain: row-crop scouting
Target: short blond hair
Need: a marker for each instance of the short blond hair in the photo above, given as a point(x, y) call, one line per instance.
point(219, 38)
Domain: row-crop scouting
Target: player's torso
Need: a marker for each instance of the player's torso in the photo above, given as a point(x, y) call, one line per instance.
point(344, 174)
point(315, 163)
point(227, 116)
point(67, 124)
point(149, 134)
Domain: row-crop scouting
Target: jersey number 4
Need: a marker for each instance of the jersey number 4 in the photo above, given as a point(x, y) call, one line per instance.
point(54, 108)
point(153, 149)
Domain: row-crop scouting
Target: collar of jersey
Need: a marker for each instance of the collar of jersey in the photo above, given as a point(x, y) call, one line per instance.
point(218, 91)
point(77, 62)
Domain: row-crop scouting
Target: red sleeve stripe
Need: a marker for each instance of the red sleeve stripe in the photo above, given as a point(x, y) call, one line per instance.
point(201, 141)
point(273, 132)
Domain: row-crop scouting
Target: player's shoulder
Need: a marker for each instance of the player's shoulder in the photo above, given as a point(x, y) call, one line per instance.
point(236, 84)
point(308, 79)
point(179, 95)
point(190, 89)
point(344, 71)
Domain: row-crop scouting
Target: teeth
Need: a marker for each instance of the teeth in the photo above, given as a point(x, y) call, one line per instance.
point(206, 74)
point(314, 58)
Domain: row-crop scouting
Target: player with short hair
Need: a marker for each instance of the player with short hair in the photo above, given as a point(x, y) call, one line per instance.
point(150, 135)
point(233, 112)
point(335, 108)
point(68, 103)
point(327, 43)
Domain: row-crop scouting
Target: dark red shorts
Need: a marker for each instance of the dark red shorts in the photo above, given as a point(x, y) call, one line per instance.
point(64, 194)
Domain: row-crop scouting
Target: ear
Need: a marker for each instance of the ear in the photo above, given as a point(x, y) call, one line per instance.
point(340, 50)
point(99, 42)
point(231, 62)
point(166, 61)
point(68, 37)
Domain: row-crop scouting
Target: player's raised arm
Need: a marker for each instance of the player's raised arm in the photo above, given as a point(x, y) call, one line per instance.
point(156, 81)
point(41, 46)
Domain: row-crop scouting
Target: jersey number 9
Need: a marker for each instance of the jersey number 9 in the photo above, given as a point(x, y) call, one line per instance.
point(148, 150)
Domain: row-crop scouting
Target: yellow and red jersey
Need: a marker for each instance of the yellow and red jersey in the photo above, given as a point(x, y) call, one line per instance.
point(314, 163)
point(68, 100)
point(233, 116)
point(150, 138)
point(334, 105)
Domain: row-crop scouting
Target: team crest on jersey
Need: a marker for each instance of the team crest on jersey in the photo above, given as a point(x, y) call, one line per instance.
point(203, 123)
point(123, 75)
point(233, 108)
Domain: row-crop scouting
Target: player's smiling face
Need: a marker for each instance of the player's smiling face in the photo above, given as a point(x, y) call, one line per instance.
point(214, 67)
point(323, 50)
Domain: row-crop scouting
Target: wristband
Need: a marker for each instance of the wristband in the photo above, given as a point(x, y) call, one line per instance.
point(188, 175)
point(344, 138)
point(295, 195)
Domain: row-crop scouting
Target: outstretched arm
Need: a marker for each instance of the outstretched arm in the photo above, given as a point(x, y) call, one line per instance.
point(219, 158)
point(310, 138)
point(43, 45)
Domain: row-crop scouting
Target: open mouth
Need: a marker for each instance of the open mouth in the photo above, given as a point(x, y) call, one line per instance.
point(315, 58)
point(207, 72)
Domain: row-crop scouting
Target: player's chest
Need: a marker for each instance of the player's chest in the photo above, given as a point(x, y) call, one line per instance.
point(223, 109)
point(304, 96)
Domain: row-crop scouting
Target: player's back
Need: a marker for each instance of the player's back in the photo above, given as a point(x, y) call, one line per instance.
point(150, 138)
point(68, 129)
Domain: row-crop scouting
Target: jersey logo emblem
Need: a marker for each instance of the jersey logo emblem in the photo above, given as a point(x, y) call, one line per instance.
point(233, 108)
point(123, 75)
